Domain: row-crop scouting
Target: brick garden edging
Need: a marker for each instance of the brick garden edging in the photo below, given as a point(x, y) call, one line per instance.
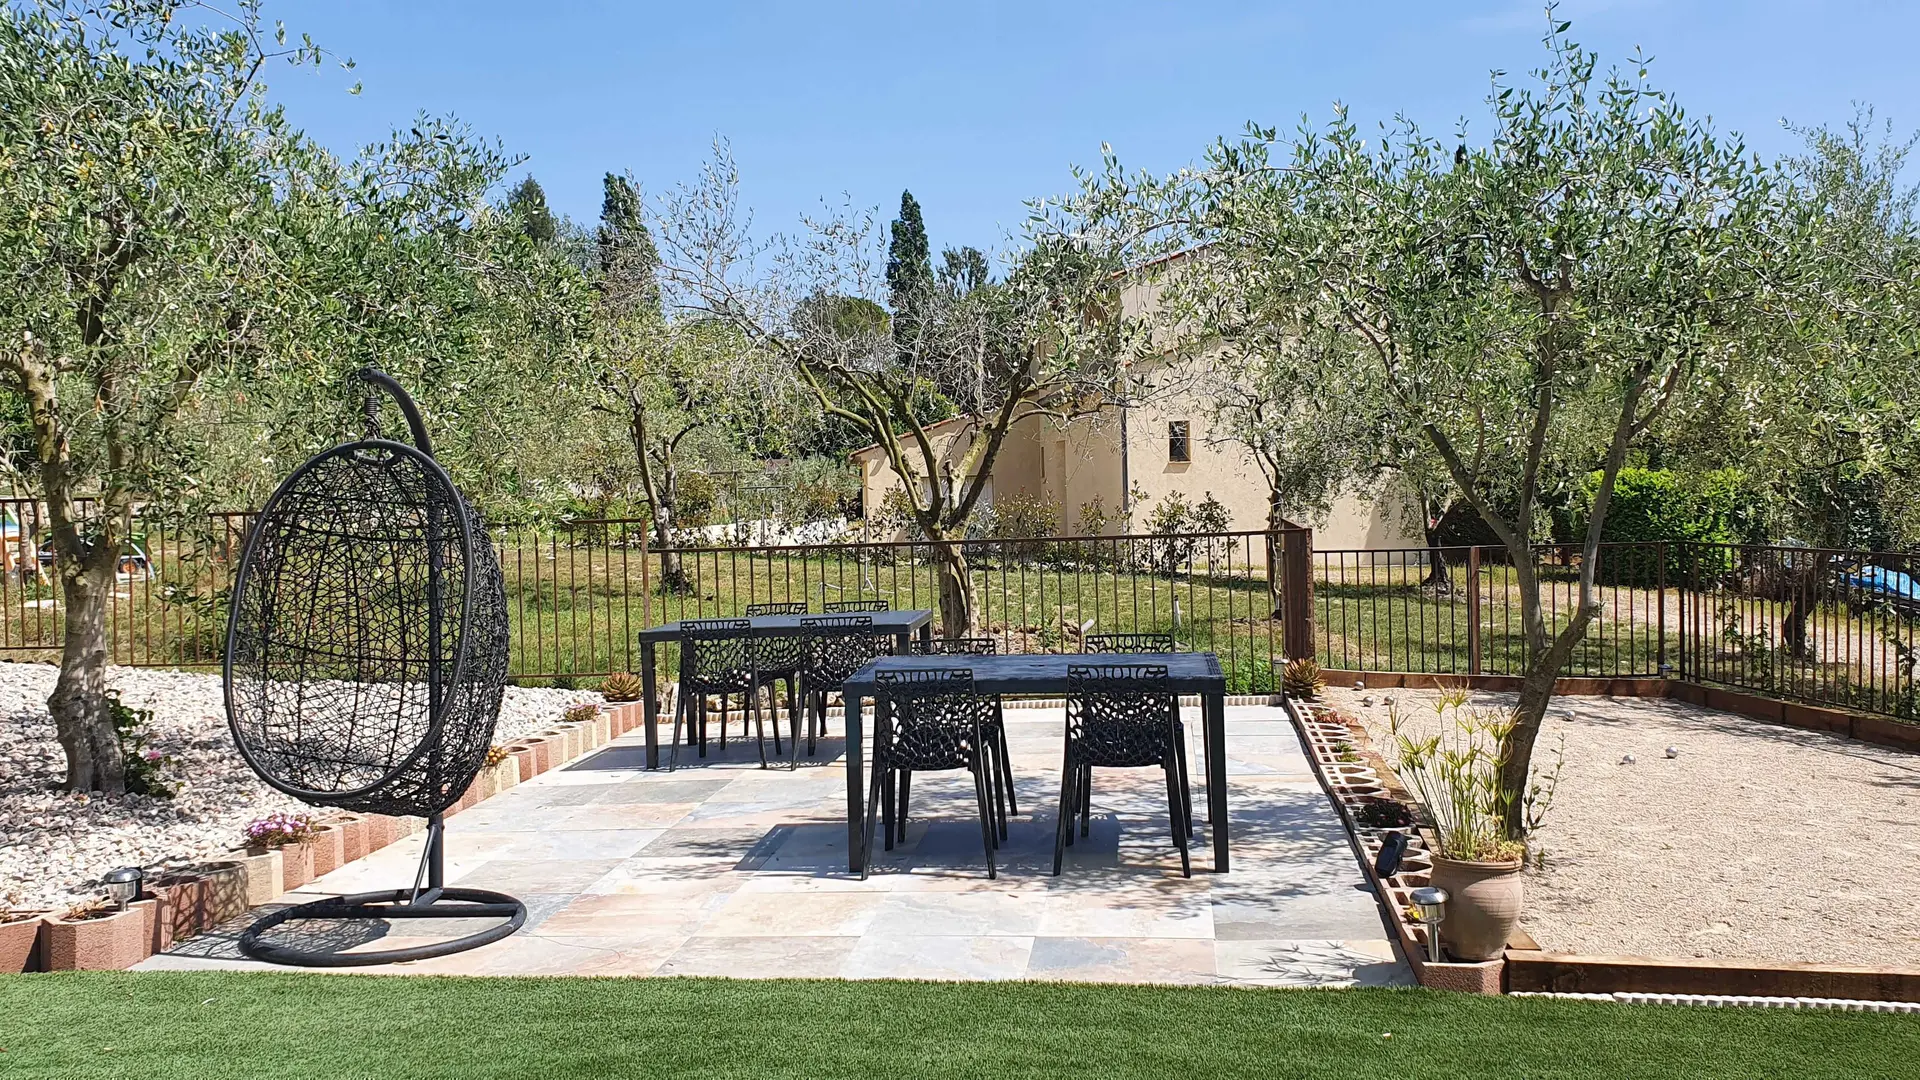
point(1350, 783)
point(183, 903)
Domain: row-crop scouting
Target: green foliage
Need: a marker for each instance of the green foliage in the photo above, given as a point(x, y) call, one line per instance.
point(147, 769)
point(622, 686)
point(909, 266)
point(1659, 504)
point(527, 204)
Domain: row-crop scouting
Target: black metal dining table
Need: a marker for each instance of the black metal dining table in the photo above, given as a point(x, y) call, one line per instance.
point(1045, 674)
point(902, 626)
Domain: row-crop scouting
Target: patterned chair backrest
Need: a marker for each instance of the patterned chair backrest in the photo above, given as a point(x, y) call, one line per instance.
point(1112, 643)
point(956, 646)
point(716, 655)
point(1121, 715)
point(841, 607)
point(932, 718)
point(838, 646)
point(798, 607)
point(778, 655)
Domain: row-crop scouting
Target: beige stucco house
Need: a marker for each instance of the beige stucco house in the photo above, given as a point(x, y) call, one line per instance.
point(1127, 459)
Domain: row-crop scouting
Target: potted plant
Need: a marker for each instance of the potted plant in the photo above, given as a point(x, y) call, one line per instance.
point(19, 934)
point(1453, 768)
point(290, 835)
point(96, 935)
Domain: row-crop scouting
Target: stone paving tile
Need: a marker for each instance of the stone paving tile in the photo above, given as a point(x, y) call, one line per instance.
point(1296, 962)
point(1123, 960)
point(883, 956)
point(724, 868)
point(761, 957)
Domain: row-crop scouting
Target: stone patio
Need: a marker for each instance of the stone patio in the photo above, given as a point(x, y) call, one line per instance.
point(722, 868)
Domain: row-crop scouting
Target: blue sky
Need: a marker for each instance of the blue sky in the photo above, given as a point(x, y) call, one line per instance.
point(977, 107)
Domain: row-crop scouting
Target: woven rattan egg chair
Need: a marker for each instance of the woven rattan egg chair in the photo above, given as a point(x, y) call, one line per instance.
point(365, 664)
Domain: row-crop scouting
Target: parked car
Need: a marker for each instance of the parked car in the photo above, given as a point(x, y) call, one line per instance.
point(1898, 592)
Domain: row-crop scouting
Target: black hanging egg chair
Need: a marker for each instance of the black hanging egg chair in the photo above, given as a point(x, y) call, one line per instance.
point(365, 664)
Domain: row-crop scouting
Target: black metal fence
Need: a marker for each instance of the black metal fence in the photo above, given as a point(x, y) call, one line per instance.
point(1816, 626)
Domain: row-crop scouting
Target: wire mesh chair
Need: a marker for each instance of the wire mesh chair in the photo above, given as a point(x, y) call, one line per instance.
point(964, 646)
point(365, 663)
point(779, 660)
point(845, 607)
point(836, 647)
point(930, 720)
point(1130, 643)
point(717, 659)
point(1121, 717)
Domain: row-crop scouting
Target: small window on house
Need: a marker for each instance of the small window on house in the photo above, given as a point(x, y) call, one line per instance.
point(1179, 444)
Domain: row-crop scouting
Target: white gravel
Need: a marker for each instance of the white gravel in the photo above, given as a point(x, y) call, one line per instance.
point(54, 846)
point(1754, 841)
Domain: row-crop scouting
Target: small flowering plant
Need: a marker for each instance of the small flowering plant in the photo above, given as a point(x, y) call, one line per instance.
point(279, 830)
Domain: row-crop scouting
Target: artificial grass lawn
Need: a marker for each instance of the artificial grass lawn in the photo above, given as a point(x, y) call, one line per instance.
point(209, 1025)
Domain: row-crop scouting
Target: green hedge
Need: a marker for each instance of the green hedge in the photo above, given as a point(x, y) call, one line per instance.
point(1652, 505)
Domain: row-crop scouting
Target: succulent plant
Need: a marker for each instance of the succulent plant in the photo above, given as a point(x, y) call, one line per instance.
point(621, 686)
point(580, 714)
point(1302, 678)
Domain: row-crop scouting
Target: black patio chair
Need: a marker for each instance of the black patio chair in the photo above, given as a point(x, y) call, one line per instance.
point(1119, 643)
point(932, 720)
point(779, 660)
point(1121, 717)
point(844, 607)
point(965, 646)
point(836, 646)
point(716, 659)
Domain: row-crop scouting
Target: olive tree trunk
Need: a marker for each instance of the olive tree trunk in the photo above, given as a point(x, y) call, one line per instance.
point(953, 584)
point(79, 700)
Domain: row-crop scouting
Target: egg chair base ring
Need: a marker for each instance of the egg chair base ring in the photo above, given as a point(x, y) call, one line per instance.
point(366, 663)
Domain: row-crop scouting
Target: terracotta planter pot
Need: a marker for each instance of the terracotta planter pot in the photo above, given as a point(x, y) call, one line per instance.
point(381, 831)
point(205, 896)
point(113, 943)
point(296, 866)
point(262, 869)
point(506, 775)
point(564, 742)
point(549, 751)
point(329, 846)
point(1483, 905)
point(525, 759)
point(353, 837)
point(20, 944)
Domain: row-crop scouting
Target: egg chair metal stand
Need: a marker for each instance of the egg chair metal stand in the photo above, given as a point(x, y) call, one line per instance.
point(366, 659)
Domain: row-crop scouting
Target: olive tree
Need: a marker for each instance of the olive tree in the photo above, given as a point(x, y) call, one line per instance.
point(1039, 343)
point(1531, 305)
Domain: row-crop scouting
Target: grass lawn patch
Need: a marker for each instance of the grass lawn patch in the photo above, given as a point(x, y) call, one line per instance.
point(210, 1025)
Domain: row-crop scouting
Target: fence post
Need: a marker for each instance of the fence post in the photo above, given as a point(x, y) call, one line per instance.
point(1680, 596)
point(1473, 610)
point(1296, 554)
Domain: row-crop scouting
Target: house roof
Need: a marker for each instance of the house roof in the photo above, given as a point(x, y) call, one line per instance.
point(932, 429)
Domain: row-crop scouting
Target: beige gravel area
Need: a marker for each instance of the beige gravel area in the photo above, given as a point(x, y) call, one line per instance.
point(1756, 841)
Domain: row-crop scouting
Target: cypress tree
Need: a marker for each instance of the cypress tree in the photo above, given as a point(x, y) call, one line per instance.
point(527, 202)
point(909, 269)
point(628, 259)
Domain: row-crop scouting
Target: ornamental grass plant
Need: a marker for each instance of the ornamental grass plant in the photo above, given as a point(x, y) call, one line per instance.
point(1453, 768)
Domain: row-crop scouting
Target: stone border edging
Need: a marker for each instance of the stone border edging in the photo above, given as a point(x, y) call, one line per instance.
point(181, 904)
point(1349, 784)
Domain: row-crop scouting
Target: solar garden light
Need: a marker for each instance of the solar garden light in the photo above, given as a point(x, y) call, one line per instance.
point(123, 885)
point(1431, 903)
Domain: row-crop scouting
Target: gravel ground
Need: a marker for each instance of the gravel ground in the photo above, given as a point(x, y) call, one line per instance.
point(1757, 841)
point(55, 846)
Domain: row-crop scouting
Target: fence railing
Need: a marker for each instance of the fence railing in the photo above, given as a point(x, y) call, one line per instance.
point(1816, 626)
